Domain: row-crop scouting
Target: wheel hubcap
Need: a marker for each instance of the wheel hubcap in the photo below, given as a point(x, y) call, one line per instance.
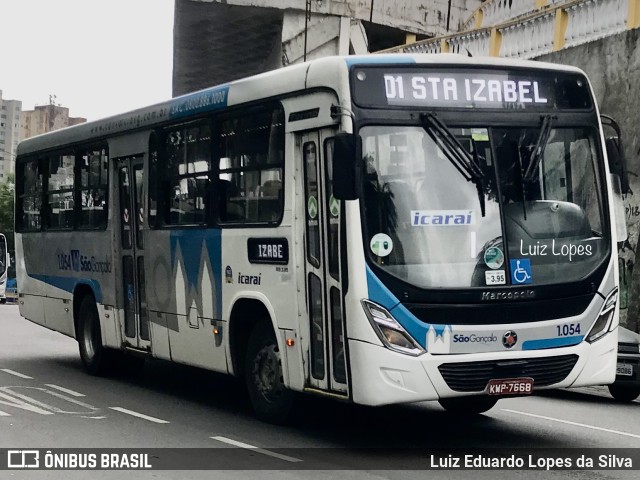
point(267, 373)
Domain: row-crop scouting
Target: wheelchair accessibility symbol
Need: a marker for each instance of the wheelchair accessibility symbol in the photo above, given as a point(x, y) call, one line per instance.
point(521, 271)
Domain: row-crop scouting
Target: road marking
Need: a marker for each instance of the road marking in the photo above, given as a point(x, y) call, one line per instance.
point(235, 443)
point(88, 409)
point(17, 374)
point(4, 414)
point(136, 414)
point(592, 427)
point(11, 401)
point(65, 390)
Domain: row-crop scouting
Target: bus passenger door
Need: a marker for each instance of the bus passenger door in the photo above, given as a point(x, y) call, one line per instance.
point(135, 323)
point(323, 296)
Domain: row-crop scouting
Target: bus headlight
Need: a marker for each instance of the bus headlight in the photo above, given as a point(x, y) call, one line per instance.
point(603, 323)
point(390, 332)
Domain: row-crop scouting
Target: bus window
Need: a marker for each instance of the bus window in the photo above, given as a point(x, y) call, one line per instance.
point(93, 189)
point(60, 185)
point(251, 161)
point(154, 146)
point(30, 196)
point(188, 160)
point(311, 201)
point(125, 202)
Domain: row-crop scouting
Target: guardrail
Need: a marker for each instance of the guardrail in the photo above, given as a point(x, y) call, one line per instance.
point(495, 12)
point(551, 27)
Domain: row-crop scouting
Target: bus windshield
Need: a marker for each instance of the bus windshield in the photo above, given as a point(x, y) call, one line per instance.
point(540, 193)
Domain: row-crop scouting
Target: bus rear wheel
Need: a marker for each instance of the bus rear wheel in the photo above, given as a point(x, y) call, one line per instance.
point(92, 353)
point(271, 400)
point(468, 405)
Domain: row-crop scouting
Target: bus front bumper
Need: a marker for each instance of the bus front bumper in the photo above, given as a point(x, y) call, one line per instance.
point(380, 376)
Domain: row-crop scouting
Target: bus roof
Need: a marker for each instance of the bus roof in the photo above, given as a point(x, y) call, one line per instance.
point(313, 74)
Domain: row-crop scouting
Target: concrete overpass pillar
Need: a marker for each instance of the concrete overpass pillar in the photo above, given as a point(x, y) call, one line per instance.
point(216, 43)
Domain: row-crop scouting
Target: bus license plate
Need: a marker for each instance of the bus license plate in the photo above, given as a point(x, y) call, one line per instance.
point(510, 386)
point(625, 370)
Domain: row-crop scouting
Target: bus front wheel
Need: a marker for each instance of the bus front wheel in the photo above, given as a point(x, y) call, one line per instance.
point(271, 400)
point(468, 405)
point(624, 393)
point(92, 353)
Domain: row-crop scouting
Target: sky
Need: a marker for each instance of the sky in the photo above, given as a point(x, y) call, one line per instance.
point(98, 57)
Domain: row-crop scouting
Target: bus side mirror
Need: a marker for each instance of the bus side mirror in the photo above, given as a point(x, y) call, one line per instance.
point(615, 154)
point(345, 167)
point(617, 163)
point(618, 205)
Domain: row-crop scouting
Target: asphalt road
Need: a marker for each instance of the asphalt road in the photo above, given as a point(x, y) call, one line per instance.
point(47, 401)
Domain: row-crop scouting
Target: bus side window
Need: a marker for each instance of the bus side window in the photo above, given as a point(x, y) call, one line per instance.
point(251, 167)
point(229, 209)
point(30, 185)
point(187, 163)
point(154, 154)
point(60, 189)
point(93, 188)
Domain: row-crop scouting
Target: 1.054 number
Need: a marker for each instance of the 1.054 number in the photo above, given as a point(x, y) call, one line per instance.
point(568, 329)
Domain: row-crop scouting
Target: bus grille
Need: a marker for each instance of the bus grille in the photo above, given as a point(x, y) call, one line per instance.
point(624, 347)
point(474, 376)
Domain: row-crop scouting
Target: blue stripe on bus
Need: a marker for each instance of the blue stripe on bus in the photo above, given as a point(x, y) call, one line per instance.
point(551, 342)
point(381, 295)
point(377, 60)
point(191, 244)
point(199, 102)
point(417, 329)
point(69, 284)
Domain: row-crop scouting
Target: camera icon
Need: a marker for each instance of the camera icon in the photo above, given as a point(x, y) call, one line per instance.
point(23, 459)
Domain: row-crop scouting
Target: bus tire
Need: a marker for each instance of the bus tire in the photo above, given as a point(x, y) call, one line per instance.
point(624, 393)
point(92, 353)
point(468, 405)
point(271, 400)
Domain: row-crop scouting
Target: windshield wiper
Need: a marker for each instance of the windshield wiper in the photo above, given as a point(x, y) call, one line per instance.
point(468, 164)
point(464, 161)
point(534, 159)
point(538, 151)
point(521, 174)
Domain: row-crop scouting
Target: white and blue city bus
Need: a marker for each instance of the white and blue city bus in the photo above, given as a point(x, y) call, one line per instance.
point(4, 267)
point(380, 229)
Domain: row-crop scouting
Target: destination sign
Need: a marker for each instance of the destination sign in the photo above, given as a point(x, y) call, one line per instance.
point(469, 88)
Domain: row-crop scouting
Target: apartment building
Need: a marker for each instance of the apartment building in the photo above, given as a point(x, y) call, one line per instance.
point(9, 134)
